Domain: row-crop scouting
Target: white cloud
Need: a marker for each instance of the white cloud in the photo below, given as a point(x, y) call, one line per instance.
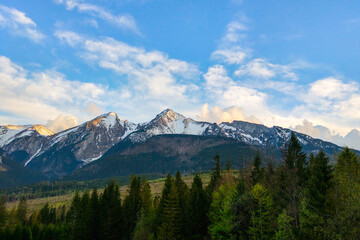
point(150, 72)
point(217, 78)
point(18, 24)
point(69, 37)
point(219, 115)
point(124, 21)
point(62, 122)
point(40, 96)
point(261, 68)
point(148, 80)
point(351, 139)
point(223, 91)
point(236, 55)
point(332, 88)
point(94, 109)
point(233, 32)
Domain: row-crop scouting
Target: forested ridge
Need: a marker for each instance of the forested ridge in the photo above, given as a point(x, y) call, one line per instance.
point(305, 198)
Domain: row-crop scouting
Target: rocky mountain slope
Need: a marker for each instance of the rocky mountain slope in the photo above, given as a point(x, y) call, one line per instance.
point(59, 154)
point(13, 174)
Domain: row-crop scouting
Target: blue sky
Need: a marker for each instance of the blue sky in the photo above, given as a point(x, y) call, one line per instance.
point(288, 63)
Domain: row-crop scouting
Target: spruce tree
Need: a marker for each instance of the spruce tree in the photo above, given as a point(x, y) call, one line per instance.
point(183, 193)
point(262, 217)
point(220, 212)
point(240, 209)
point(197, 220)
point(320, 183)
point(132, 206)
point(257, 171)
point(293, 179)
point(317, 205)
point(215, 177)
point(21, 211)
point(111, 215)
point(94, 215)
point(346, 195)
point(146, 198)
point(73, 214)
point(169, 181)
point(170, 227)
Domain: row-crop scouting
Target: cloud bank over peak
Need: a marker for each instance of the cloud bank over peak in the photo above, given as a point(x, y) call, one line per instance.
point(62, 122)
point(219, 115)
point(351, 139)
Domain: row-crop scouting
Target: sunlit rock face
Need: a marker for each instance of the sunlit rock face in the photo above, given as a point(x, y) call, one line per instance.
point(82, 144)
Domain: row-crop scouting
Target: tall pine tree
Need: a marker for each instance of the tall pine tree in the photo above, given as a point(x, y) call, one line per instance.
point(197, 208)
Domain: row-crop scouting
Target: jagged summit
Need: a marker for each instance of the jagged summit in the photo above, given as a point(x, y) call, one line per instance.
point(107, 120)
point(168, 115)
point(59, 154)
point(8, 133)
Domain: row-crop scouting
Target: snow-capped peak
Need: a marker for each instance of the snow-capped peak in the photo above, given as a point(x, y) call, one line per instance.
point(167, 116)
point(107, 120)
point(9, 133)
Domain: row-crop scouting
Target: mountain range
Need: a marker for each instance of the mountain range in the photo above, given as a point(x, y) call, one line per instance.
point(107, 146)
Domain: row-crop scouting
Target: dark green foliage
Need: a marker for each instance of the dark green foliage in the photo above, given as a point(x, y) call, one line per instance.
point(316, 206)
point(111, 213)
point(21, 212)
point(171, 225)
point(240, 208)
point(47, 214)
point(183, 194)
point(293, 179)
point(215, 177)
point(3, 212)
point(275, 205)
point(319, 184)
point(197, 208)
point(257, 171)
point(16, 174)
point(228, 165)
point(132, 206)
point(146, 198)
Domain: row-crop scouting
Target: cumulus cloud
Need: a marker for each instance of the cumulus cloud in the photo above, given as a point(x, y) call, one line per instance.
point(93, 109)
point(123, 21)
point(18, 24)
point(223, 91)
point(332, 88)
point(149, 78)
point(40, 96)
point(219, 115)
point(62, 122)
point(351, 139)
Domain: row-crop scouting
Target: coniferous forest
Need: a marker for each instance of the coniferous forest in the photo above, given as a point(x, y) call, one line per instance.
point(307, 197)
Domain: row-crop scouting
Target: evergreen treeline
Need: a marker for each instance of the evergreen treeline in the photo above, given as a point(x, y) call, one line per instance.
point(64, 186)
point(305, 198)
